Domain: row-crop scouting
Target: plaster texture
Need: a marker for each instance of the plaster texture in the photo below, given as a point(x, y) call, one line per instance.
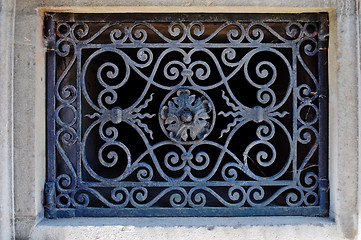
point(189, 228)
point(6, 128)
point(22, 130)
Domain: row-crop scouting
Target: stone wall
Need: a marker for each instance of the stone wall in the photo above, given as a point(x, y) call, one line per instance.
point(22, 130)
point(6, 115)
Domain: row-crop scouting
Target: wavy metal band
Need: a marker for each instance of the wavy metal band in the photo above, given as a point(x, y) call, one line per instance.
point(198, 115)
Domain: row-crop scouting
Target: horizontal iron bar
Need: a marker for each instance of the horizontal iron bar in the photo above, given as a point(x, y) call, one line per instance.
point(170, 17)
point(188, 212)
point(189, 45)
point(186, 184)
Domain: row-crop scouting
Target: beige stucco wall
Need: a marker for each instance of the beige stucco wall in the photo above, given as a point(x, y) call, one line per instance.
point(6, 129)
point(22, 129)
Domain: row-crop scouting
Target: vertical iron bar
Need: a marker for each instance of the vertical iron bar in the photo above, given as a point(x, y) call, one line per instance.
point(50, 106)
point(323, 108)
point(50, 82)
point(77, 52)
point(294, 114)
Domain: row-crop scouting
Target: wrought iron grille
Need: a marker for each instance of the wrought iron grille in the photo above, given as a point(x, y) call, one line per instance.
point(186, 114)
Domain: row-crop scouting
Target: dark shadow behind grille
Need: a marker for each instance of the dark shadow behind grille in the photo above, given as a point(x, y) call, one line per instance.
point(186, 115)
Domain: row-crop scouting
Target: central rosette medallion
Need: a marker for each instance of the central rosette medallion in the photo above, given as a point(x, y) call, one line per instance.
point(187, 115)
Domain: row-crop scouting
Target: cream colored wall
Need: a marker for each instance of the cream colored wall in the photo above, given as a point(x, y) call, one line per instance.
point(25, 118)
point(6, 110)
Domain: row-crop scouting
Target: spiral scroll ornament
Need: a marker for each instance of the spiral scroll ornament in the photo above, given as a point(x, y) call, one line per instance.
point(186, 114)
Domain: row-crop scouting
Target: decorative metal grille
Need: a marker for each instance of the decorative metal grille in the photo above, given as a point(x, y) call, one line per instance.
point(186, 114)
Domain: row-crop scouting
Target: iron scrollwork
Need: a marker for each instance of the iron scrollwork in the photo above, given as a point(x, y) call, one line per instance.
point(207, 118)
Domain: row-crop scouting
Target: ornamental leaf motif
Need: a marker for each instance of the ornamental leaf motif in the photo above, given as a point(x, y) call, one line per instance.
point(186, 116)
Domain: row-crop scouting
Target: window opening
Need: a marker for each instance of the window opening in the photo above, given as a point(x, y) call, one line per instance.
point(186, 114)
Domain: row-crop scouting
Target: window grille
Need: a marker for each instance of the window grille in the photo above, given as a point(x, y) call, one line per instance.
point(186, 114)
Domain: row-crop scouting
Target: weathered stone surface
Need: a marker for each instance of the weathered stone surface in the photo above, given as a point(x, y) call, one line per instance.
point(287, 228)
point(6, 126)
